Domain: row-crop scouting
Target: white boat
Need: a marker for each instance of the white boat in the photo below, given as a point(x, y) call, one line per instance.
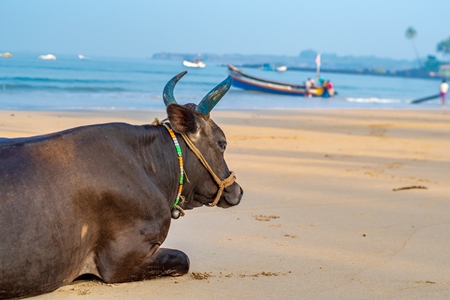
point(281, 68)
point(47, 57)
point(81, 56)
point(270, 67)
point(194, 64)
point(6, 54)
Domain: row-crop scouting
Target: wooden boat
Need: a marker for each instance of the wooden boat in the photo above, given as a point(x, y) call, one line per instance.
point(247, 82)
point(194, 64)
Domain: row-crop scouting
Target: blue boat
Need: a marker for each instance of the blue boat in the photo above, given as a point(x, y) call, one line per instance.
point(247, 82)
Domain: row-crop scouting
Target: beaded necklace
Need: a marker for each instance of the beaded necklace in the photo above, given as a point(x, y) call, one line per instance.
point(180, 160)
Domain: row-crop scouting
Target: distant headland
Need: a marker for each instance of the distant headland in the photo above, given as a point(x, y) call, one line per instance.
point(331, 63)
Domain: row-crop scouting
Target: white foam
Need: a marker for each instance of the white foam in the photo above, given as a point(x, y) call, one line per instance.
point(372, 100)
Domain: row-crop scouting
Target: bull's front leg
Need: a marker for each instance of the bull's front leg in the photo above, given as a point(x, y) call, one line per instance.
point(167, 262)
point(136, 266)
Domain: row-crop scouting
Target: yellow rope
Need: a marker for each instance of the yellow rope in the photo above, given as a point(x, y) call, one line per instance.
point(221, 183)
point(156, 121)
point(182, 213)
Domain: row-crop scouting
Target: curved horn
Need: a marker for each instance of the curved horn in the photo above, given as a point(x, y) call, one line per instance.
point(214, 96)
point(168, 89)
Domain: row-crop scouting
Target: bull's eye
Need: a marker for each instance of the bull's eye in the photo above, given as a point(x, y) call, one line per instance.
point(222, 145)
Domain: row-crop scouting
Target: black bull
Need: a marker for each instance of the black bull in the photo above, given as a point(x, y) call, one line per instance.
point(98, 199)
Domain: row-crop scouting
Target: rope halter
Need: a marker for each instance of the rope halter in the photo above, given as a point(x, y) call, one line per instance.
point(223, 184)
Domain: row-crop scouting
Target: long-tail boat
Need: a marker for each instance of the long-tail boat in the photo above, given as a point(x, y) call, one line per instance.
point(247, 82)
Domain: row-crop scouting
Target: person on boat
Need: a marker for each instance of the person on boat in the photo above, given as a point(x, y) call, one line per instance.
point(308, 85)
point(324, 87)
point(443, 90)
point(330, 88)
point(327, 88)
point(321, 81)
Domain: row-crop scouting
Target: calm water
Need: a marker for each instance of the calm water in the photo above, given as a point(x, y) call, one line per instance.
point(71, 84)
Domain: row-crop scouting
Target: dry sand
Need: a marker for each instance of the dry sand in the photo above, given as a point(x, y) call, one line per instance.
point(324, 215)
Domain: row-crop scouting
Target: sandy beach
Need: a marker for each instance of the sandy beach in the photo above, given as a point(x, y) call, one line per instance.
point(338, 204)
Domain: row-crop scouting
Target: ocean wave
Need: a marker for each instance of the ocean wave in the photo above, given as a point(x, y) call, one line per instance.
point(58, 80)
point(373, 100)
point(52, 88)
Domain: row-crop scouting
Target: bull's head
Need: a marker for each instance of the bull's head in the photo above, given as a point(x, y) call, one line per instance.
point(195, 125)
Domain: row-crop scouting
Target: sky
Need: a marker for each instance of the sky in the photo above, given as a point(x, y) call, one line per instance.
point(140, 28)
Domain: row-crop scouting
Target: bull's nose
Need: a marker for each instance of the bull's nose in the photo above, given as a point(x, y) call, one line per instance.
point(233, 194)
point(239, 198)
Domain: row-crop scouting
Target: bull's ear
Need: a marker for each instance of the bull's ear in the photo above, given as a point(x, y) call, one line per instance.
point(182, 119)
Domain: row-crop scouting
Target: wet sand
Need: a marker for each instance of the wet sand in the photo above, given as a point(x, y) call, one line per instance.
point(338, 204)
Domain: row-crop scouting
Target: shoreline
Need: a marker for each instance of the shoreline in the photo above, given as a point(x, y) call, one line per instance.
point(338, 204)
point(24, 118)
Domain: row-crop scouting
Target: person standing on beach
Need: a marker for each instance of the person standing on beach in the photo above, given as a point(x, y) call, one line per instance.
point(443, 90)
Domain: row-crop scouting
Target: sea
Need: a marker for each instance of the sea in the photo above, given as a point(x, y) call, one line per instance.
point(96, 83)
